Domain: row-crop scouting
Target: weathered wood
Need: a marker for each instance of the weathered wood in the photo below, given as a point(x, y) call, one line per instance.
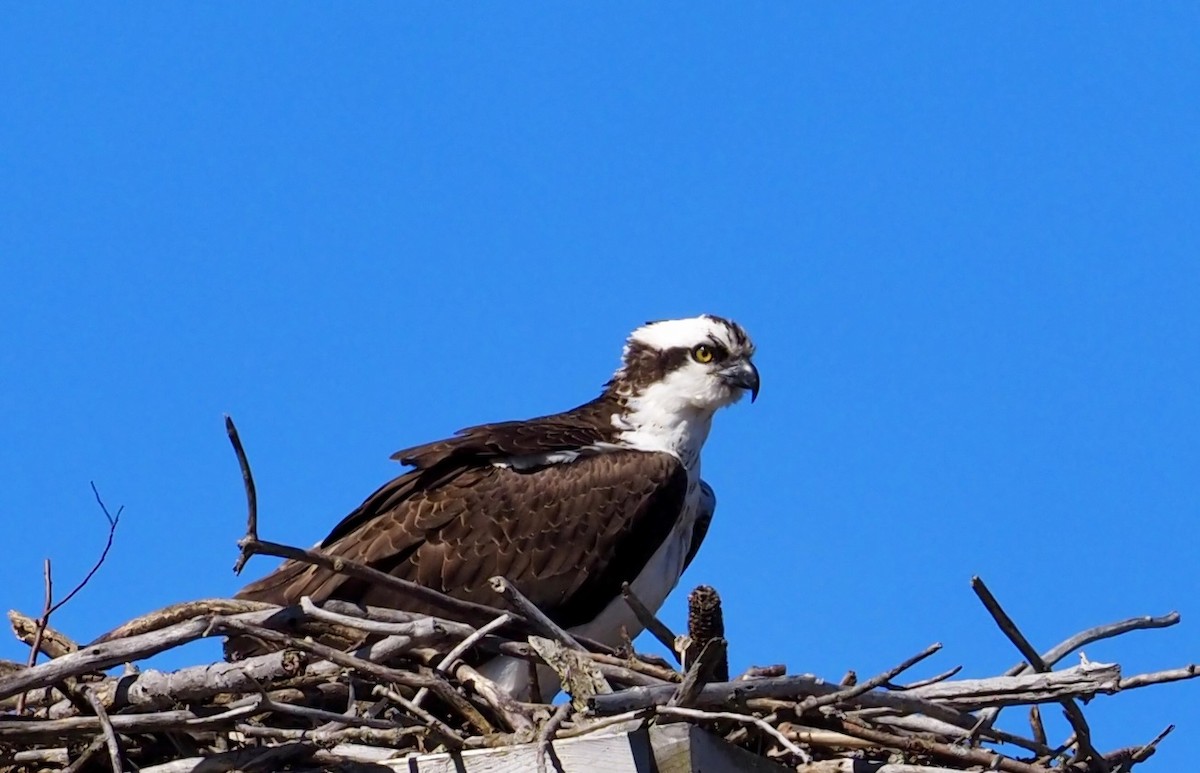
point(702, 666)
point(52, 643)
point(36, 757)
point(862, 766)
point(816, 736)
point(685, 748)
point(240, 759)
point(623, 753)
point(151, 689)
point(674, 748)
point(22, 731)
point(580, 677)
point(98, 657)
point(1081, 680)
point(1084, 680)
point(650, 621)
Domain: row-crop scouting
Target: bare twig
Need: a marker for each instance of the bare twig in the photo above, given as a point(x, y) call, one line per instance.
point(265, 703)
point(500, 702)
point(392, 737)
point(1059, 651)
point(1007, 626)
point(604, 723)
point(699, 672)
point(246, 542)
point(47, 610)
point(1159, 677)
point(113, 520)
point(761, 724)
point(178, 720)
point(817, 701)
point(926, 682)
point(546, 734)
point(987, 759)
point(98, 657)
point(85, 756)
point(35, 759)
point(1036, 726)
point(632, 670)
point(1070, 708)
point(944, 701)
point(461, 648)
point(110, 735)
point(439, 686)
point(42, 622)
point(49, 607)
point(544, 624)
point(402, 627)
point(1145, 751)
point(649, 621)
point(446, 734)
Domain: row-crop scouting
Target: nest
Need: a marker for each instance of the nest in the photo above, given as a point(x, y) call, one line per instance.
point(409, 689)
point(407, 685)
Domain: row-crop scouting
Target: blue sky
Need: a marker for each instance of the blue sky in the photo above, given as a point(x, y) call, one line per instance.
point(964, 238)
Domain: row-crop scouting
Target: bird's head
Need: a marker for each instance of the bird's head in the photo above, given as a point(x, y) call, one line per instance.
point(695, 364)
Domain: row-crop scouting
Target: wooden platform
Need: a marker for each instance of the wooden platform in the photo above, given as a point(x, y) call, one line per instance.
point(678, 748)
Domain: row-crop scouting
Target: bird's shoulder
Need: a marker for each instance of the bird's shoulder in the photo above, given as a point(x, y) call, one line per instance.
point(586, 426)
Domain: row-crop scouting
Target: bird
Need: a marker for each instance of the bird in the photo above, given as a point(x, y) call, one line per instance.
point(568, 507)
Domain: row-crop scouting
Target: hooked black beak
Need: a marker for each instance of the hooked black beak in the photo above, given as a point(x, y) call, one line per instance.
point(744, 375)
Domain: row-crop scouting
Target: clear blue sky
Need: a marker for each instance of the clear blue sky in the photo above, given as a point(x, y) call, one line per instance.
point(966, 240)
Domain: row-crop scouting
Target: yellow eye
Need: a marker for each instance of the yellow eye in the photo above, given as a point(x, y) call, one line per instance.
point(702, 354)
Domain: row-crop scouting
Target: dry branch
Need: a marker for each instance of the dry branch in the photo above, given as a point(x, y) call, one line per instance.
point(542, 623)
point(650, 621)
point(278, 698)
point(850, 693)
point(49, 606)
point(1070, 708)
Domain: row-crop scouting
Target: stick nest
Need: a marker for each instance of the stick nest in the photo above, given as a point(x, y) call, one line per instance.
point(401, 685)
point(396, 693)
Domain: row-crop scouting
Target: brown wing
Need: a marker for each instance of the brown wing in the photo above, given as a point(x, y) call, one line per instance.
point(567, 535)
point(577, 428)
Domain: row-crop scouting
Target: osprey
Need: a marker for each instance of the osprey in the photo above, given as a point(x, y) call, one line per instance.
point(567, 506)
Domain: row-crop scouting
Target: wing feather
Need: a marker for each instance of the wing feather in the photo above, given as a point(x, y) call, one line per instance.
point(568, 535)
point(581, 427)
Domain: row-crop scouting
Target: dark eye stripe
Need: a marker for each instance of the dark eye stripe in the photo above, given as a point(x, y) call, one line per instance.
point(718, 349)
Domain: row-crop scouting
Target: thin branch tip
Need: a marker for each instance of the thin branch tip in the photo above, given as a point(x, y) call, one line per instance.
point(248, 544)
